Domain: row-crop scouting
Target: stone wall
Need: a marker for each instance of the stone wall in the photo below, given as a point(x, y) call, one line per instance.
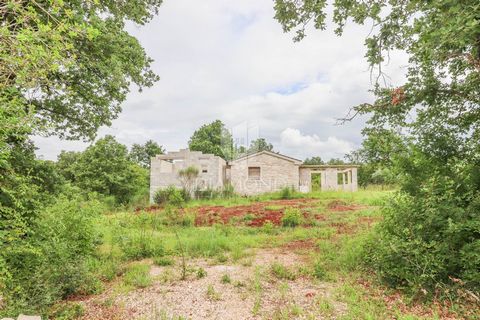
point(275, 173)
point(164, 170)
point(329, 177)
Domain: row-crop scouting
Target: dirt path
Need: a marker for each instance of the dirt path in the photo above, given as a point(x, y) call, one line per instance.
point(251, 292)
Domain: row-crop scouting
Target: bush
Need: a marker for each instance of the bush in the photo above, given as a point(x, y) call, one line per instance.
point(287, 193)
point(139, 244)
point(427, 242)
point(54, 263)
point(208, 193)
point(292, 217)
point(67, 311)
point(171, 195)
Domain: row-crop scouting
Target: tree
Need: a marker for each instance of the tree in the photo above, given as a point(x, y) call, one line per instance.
point(213, 138)
point(66, 67)
point(104, 168)
point(70, 63)
point(66, 162)
point(141, 154)
point(436, 157)
point(188, 177)
point(313, 161)
point(335, 161)
point(260, 144)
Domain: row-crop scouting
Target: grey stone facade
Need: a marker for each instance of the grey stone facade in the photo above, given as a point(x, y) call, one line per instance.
point(276, 172)
point(253, 174)
point(164, 170)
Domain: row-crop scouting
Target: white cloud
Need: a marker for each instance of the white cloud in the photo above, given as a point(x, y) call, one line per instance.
point(230, 60)
point(302, 146)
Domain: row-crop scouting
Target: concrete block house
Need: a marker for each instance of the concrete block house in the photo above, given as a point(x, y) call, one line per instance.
point(256, 173)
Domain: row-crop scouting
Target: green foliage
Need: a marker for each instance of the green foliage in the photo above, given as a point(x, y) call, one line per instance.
point(66, 162)
point(71, 63)
point(226, 278)
point(319, 271)
point(138, 275)
point(105, 168)
point(292, 217)
point(139, 244)
point(52, 262)
point(163, 261)
point(171, 196)
point(258, 145)
point(433, 242)
point(430, 227)
point(282, 272)
point(188, 177)
point(67, 311)
point(141, 154)
point(314, 161)
point(335, 161)
point(201, 273)
point(213, 138)
point(287, 193)
point(66, 68)
point(209, 193)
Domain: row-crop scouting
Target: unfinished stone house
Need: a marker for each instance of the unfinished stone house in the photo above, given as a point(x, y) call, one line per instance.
point(256, 173)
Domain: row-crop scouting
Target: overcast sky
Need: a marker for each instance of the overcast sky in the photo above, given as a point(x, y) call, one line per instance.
point(230, 60)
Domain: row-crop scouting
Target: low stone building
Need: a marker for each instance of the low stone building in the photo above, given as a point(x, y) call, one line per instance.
point(164, 169)
point(256, 173)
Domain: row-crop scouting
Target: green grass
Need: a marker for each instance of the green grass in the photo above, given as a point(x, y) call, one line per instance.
point(138, 276)
point(282, 272)
point(335, 256)
point(226, 278)
point(163, 261)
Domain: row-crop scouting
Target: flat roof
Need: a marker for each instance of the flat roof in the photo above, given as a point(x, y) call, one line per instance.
point(324, 166)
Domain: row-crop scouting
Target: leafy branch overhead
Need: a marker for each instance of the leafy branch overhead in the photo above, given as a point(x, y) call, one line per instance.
point(442, 40)
point(72, 62)
point(422, 133)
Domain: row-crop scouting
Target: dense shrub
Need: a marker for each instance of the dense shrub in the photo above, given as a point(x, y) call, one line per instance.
point(170, 195)
point(105, 168)
point(53, 262)
point(425, 243)
point(292, 217)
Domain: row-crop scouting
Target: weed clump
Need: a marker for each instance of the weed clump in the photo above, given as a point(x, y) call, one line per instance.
point(201, 273)
point(138, 276)
point(292, 217)
point(212, 294)
point(282, 272)
point(171, 195)
point(226, 278)
point(287, 193)
point(163, 261)
point(319, 271)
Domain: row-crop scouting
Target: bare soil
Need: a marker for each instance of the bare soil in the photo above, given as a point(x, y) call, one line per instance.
point(253, 292)
point(257, 213)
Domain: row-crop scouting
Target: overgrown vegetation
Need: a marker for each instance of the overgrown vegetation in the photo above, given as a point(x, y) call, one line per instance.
point(422, 133)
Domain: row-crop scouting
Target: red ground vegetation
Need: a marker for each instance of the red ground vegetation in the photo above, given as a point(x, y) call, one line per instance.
point(255, 214)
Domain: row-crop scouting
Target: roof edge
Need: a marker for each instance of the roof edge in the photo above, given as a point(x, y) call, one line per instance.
point(278, 155)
